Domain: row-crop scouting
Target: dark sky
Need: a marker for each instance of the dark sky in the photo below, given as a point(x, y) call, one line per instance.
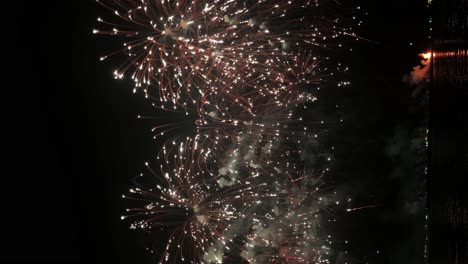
point(73, 141)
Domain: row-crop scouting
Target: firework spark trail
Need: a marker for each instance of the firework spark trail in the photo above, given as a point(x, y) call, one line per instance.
point(360, 208)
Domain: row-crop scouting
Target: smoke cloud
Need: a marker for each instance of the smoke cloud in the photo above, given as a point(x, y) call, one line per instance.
point(419, 72)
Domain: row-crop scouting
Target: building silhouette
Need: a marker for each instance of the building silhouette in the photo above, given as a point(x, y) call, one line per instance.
point(448, 135)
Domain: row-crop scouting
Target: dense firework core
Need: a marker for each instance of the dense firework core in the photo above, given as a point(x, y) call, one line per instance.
point(199, 215)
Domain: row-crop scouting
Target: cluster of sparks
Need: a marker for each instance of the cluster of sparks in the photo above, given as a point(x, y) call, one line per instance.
point(240, 72)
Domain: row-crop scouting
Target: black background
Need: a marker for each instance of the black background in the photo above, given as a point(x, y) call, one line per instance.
point(73, 141)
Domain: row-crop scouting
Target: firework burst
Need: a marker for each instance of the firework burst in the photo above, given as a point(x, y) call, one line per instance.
point(233, 77)
point(188, 50)
point(188, 201)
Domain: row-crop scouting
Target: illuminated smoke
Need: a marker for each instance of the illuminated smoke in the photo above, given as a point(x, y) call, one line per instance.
point(419, 72)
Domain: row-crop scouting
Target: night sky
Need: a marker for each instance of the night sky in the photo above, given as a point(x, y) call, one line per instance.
point(74, 142)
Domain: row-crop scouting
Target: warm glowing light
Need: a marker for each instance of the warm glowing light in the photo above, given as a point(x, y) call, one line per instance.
point(426, 55)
